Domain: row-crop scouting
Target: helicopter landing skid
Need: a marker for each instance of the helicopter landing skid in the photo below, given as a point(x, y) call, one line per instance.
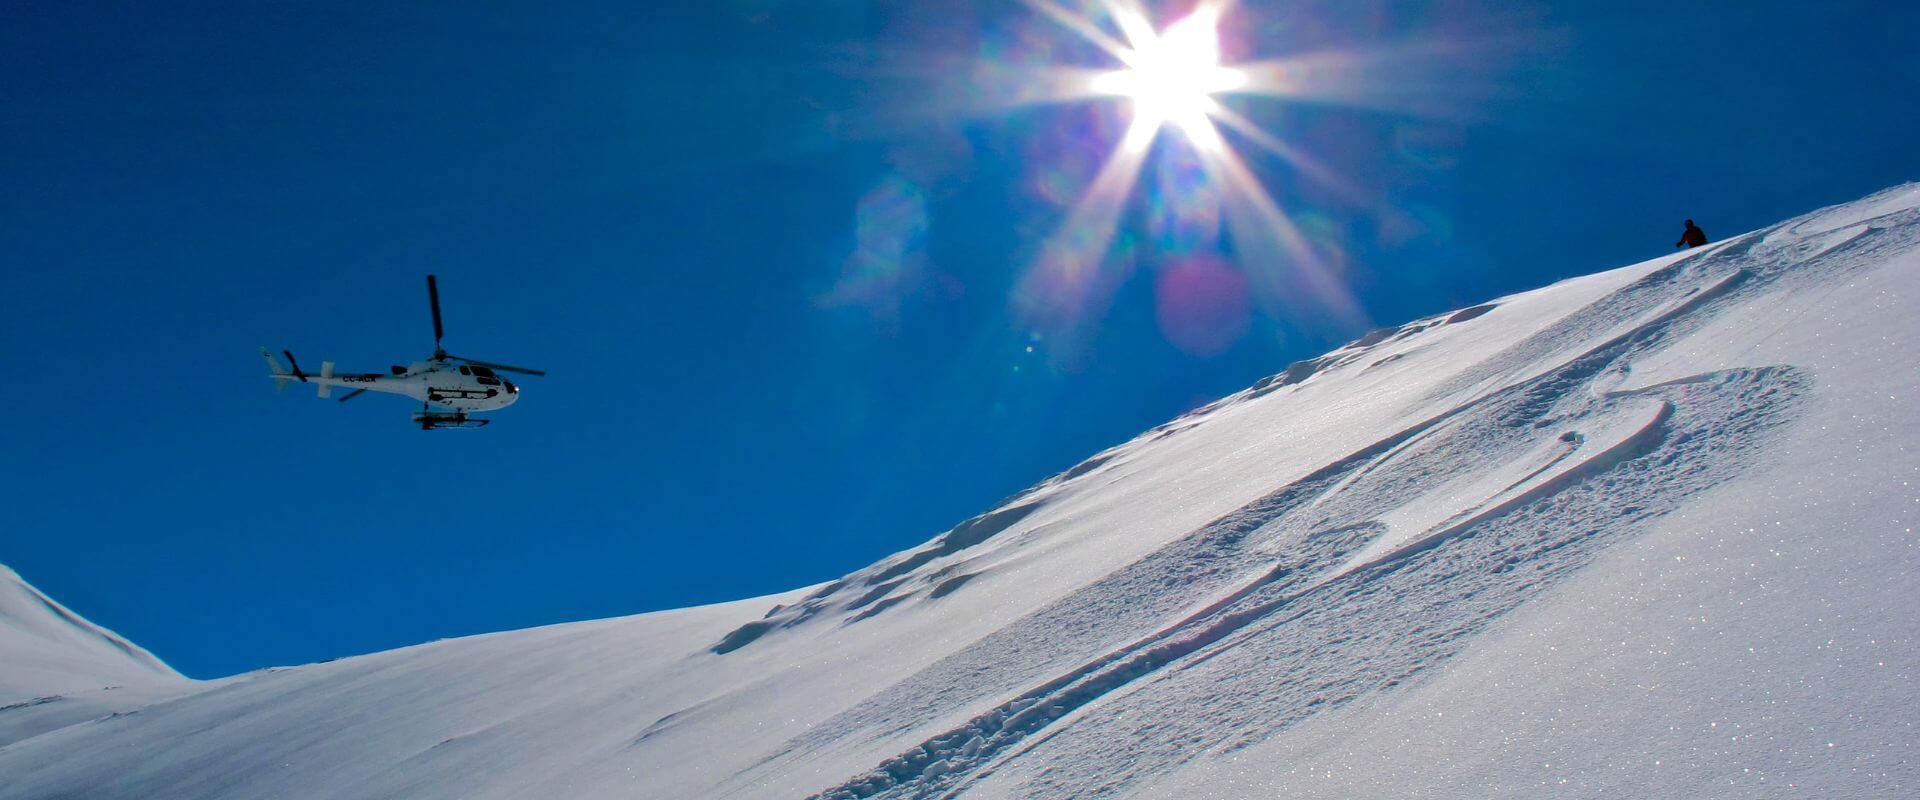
point(431, 420)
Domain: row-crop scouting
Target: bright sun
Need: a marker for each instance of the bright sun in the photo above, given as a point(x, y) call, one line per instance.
point(1172, 75)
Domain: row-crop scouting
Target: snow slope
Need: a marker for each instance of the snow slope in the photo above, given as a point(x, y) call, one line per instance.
point(1644, 533)
point(56, 668)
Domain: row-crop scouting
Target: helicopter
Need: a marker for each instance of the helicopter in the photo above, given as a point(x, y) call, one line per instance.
point(449, 387)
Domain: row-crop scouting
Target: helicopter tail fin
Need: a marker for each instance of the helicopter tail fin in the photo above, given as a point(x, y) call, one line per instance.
point(277, 371)
point(326, 379)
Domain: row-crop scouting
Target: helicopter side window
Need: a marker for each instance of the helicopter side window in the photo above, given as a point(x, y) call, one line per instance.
point(464, 371)
point(487, 381)
point(483, 372)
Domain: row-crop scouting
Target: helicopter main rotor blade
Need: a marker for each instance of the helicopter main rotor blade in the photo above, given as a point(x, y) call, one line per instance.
point(503, 367)
point(353, 394)
point(433, 296)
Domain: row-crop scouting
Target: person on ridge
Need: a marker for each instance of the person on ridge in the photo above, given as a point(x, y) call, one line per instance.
point(1692, 237)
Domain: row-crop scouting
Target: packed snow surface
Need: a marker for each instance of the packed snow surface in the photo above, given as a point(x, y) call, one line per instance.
point(1647, 533)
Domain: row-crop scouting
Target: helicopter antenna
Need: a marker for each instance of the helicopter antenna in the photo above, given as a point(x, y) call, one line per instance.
point(433, 296)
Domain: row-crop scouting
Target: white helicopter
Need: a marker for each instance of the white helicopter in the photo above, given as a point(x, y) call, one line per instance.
point(448, 387)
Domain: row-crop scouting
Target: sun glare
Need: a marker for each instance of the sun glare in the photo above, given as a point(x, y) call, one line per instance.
point(1204, 196)
point(1172, 75)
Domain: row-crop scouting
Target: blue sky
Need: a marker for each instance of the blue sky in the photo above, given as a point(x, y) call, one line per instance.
point(772, 253)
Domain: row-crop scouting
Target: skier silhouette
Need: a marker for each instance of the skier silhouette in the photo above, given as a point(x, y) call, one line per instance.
point(1692, 237)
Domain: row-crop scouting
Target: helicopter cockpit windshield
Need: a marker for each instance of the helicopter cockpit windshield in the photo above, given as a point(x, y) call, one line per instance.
point(482, 374)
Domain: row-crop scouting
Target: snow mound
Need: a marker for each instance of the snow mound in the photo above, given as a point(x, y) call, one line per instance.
point(50, 650)
point(56, 668)
point(1643, 533)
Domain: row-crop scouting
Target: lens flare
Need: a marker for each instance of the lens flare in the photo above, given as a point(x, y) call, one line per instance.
point(889, 242)
point(1203, 199)
point(1202, 305)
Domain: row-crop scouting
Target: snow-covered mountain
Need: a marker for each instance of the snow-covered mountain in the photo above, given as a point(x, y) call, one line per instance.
point(49, 650)
point(1647, 533)
point(56, 668)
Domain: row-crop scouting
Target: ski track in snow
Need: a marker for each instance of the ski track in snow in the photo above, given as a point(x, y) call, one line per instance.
point(1289, 601)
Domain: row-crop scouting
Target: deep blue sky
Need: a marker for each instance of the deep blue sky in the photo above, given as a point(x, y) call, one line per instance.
point(767, 259)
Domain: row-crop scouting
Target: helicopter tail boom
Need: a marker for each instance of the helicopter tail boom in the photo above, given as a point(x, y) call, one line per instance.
point(323, 382)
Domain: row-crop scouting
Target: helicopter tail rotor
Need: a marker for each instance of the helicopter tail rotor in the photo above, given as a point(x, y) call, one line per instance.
point(296, 365)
